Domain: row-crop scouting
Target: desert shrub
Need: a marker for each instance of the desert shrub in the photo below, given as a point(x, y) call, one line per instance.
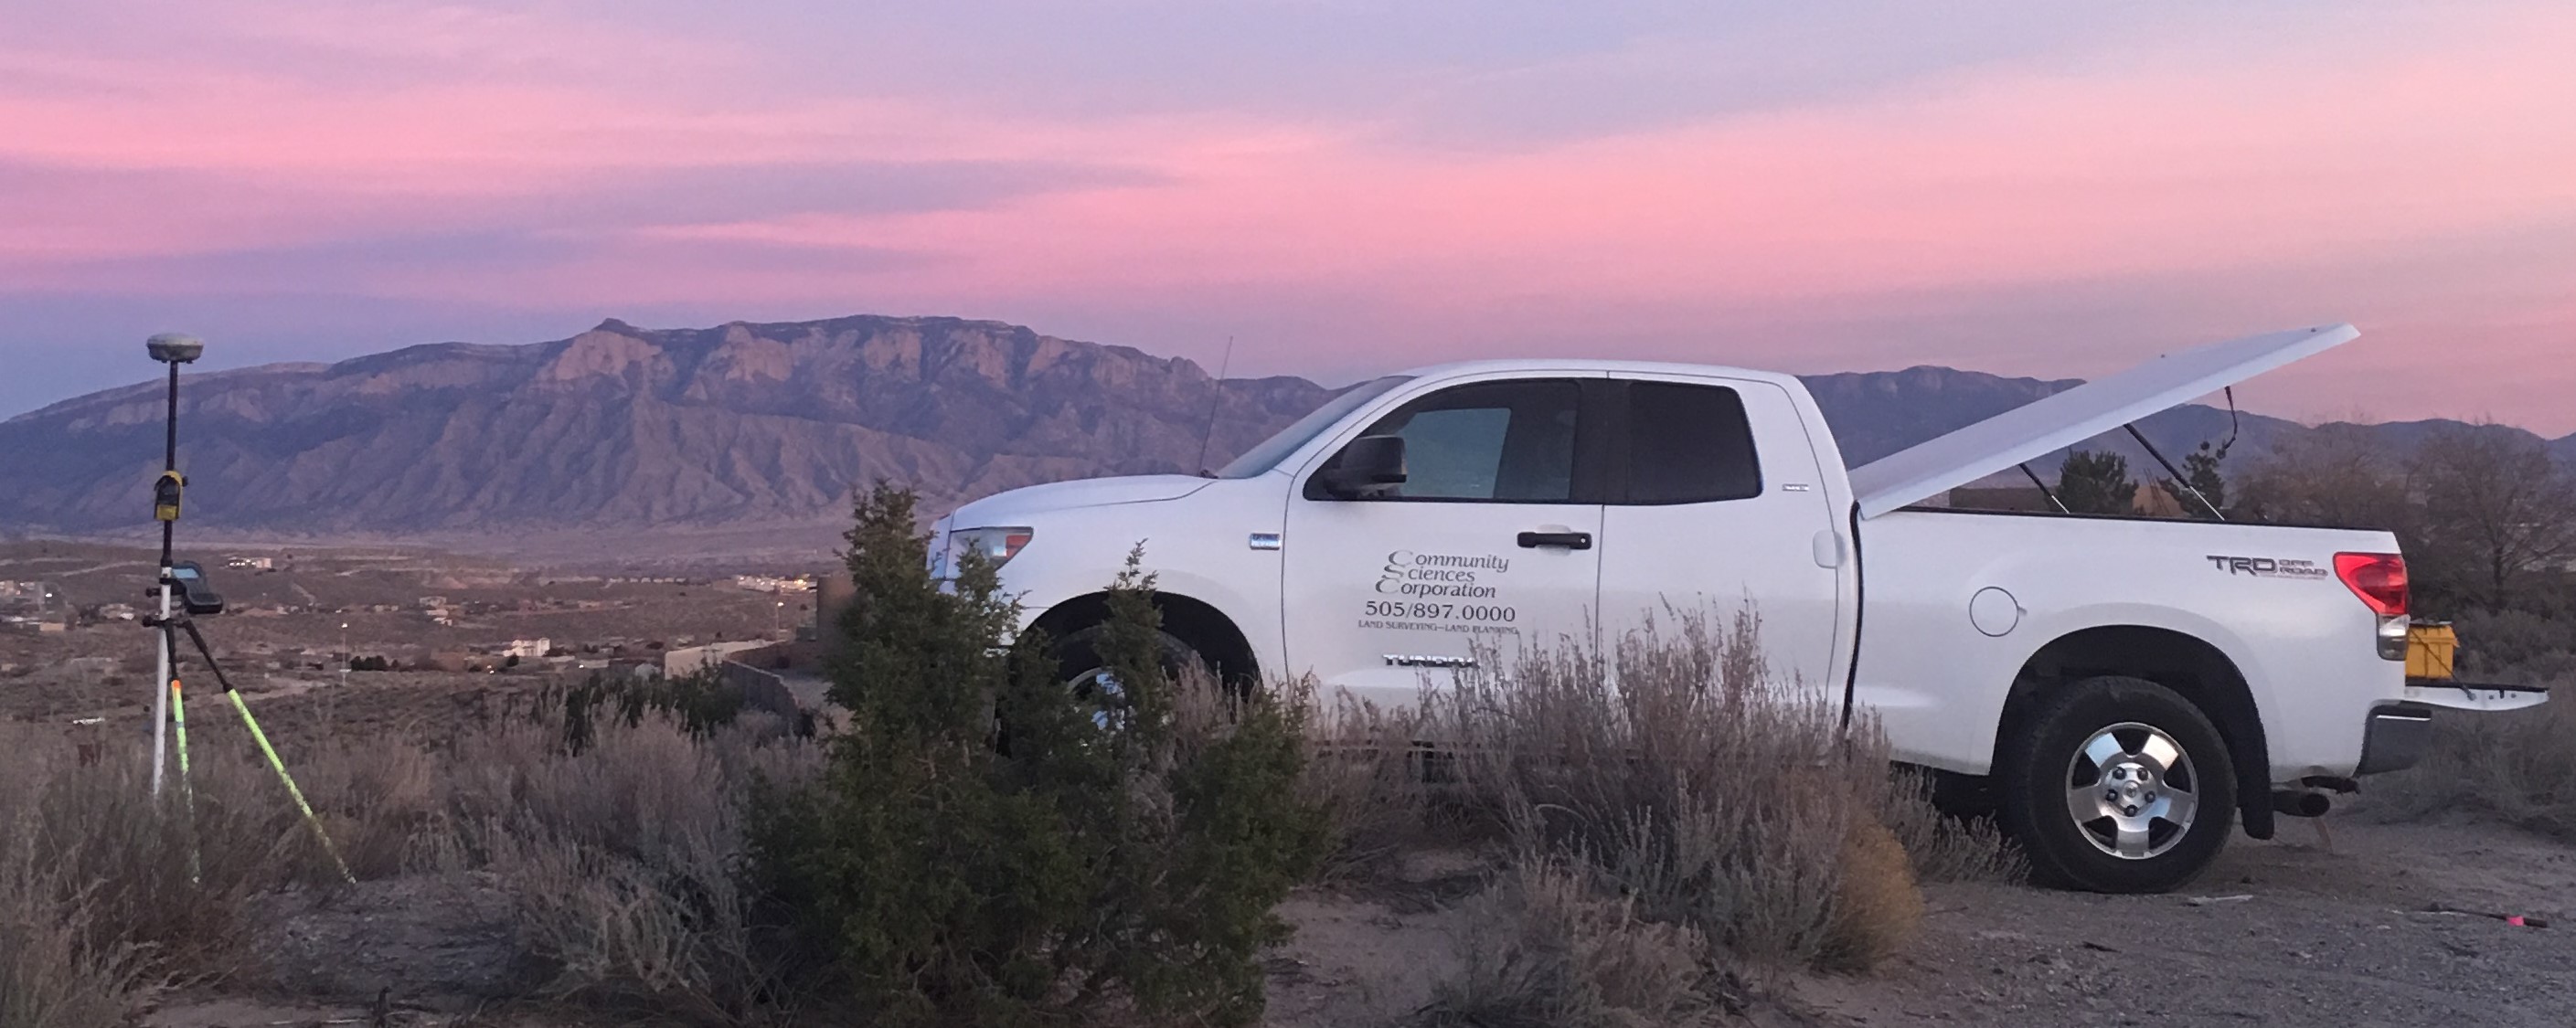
point(2516, 646)
point(103, 889)
point(700, 701)
point(625, 862)
point(1689, 779)
point(167, 874)
point(1943, 848)
point(1117, 852)
point(1547, 947)
point(2517, 767)
point(375, 797)
point(56, 971)
point(1367, 770)
point(1878, 907)
point(624, 856)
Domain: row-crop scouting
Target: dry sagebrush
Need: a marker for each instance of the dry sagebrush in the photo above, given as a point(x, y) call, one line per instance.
point(622, 859)
point(1548, 949)
point(1680, 773)
point(104, 892)
point(2517, 767)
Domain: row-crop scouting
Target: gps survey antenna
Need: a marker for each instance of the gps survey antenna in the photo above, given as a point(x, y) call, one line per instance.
point(173, 349)
point(185, 596)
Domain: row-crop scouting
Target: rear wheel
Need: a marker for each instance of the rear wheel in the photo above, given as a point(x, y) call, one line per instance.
point(2118, 785)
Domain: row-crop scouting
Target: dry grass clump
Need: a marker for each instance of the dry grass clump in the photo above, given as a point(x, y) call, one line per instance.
point(1942, 848)
point(102, 892)
point(622, 857)
point(1371, 772)
point(624, 860)
point(1674, 804)
point(1546, 947)
point(2517, 767)
point(168, 874)
point(1689, 778)
point(55, 969)
point(1878, 907)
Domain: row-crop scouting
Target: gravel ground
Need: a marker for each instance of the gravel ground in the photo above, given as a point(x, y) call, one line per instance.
point(2340, 936)
point(2290, 932)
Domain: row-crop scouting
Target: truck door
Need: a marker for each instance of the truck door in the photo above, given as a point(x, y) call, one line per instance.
point(1492, 538)
point(1716, 499)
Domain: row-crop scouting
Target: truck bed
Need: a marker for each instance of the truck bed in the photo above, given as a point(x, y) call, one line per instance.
point(2264, 598)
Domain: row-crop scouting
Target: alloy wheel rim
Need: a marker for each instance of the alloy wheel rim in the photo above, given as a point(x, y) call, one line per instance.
point(2131, 791)
point(1098, 689)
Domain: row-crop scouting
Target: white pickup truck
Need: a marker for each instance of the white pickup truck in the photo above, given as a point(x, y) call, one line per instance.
point(2121, 688)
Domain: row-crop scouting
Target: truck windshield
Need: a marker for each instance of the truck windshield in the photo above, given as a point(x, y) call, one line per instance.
point(1260, 459)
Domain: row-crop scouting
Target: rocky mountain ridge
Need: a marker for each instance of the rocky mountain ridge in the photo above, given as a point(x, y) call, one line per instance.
point(623, 429)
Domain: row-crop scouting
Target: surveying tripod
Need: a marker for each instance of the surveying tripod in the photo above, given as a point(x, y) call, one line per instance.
point(184, 584)
point(184, 621)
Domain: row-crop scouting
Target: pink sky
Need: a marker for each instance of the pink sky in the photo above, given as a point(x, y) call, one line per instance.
point(1344, 191)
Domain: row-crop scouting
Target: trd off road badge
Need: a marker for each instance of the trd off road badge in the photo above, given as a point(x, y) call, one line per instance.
point(2268, 567)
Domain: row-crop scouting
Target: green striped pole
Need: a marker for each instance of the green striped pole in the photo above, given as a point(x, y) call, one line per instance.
point(187, 787)
point(309, 818)
point(267, 750)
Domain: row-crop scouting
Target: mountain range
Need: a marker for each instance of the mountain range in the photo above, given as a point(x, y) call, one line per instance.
point(749, 426)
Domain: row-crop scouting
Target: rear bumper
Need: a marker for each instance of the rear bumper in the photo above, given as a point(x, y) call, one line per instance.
point(2397, 736)
point(2399, 733)
point(2478, 696)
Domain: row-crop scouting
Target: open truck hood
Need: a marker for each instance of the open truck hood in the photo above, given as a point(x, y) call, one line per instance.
point(2078, 414)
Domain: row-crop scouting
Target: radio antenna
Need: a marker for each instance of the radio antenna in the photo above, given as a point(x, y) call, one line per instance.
point(1216, 402)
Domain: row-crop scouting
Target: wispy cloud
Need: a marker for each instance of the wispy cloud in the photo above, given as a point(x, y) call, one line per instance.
point(2030, 188)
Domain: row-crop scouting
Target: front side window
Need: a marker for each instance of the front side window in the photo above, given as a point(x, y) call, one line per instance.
point(1689, 444)
point(1260, 459)
point(1500, 442)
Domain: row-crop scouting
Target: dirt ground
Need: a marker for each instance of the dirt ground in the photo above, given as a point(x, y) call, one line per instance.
point(2344, 936)
point(2288, 932)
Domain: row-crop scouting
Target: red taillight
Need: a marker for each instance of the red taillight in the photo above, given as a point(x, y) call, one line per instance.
point(2378, 578)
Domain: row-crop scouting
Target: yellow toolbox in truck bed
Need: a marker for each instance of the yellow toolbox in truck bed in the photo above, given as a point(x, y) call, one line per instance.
point(2429, 649)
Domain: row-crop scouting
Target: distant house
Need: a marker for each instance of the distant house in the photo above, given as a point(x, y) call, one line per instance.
point(528, 649)
point(695, 659)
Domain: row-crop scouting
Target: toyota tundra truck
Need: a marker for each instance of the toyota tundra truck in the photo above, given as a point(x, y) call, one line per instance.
point(2126, 690)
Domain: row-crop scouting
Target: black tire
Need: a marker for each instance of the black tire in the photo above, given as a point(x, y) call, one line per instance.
point(2144, 840)
point(1078, 655)
point(1078, 660)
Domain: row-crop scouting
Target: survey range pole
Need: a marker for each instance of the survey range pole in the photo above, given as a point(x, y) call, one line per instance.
point(173, 349)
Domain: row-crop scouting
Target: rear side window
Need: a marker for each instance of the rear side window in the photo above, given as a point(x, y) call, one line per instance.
point(1689, 444)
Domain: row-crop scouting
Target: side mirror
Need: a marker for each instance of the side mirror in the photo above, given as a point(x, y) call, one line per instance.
point(1368, 463)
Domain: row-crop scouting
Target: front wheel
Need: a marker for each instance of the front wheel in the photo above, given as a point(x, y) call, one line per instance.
point(1083, 670)
point(2118, 785)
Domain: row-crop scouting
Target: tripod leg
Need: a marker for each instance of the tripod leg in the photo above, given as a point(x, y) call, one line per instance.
point(270, 752)
point(187, 786)
point(291, 790)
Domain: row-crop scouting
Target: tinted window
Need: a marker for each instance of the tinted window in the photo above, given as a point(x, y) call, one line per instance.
point(1689, 444)
point(1499, 441)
